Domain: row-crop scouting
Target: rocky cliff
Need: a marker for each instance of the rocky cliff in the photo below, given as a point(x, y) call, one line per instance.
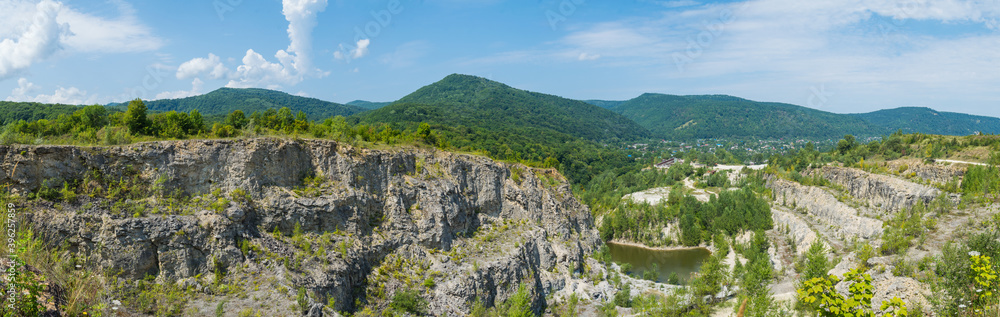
point(884, 192)
point(825, 209)
point(352, 226)
point(935, 173)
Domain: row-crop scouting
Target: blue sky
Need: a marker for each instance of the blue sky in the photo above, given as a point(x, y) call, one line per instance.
point(834, 55)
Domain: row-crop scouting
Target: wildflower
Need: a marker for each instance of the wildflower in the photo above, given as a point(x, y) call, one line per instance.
point(973, 253)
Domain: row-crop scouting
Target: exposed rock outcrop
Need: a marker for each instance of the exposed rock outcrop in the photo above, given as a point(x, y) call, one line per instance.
point(478, 227)
point(936, 173)
point(884, 192)
point(795, 228)
point(825, 208)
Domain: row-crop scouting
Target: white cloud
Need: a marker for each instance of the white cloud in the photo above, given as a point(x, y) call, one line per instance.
point(24, 87)
point(359, 51)
point(29, 39)
point(196, 86)
point(869, 54)
point(295, 63)
point(32, 31)
point(258, 72)
point(195, 67)
point(70, 96)
point(124, 33)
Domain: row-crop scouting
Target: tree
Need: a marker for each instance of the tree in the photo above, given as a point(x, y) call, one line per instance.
point(285, 118)
point(135, 117)
point(236, 119)
point(425, 133)
point(690, 230)
point(710, 276)
point(816, 262)
point(197, 122)
point(95, 116)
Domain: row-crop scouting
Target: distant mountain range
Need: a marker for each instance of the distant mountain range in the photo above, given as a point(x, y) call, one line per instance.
point(471, 102)
point(462, 100)
point(225, 100)
point(369, 104)
point(713, 116)
point(930, 121)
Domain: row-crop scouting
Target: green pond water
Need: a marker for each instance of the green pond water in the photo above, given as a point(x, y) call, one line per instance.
point(683, 262)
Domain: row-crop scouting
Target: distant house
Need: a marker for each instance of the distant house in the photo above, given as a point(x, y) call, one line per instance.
point(667, 163)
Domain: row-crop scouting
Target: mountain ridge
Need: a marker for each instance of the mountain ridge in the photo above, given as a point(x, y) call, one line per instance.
point(463, 100)
point(225, 100)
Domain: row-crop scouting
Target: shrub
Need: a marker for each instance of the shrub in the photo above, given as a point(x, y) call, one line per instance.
point(624, 297)
point(821, 293)
point(409, 301)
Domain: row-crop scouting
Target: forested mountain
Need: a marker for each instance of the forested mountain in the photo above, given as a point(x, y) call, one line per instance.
point(606, 104)
point(462, 100)
point(369, 104)
point(224, 100)
point(11, 111)
point(715, 116)
point(929, 121)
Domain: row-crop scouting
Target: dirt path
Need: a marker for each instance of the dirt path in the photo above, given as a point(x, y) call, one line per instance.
point(962, 162)
point(698, 193)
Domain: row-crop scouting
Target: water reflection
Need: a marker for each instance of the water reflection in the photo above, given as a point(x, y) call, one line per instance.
point(683, 262)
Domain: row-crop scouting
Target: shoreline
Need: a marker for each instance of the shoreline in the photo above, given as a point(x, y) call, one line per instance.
point(671, 248)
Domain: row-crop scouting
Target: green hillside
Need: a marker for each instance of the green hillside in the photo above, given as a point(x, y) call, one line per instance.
point(370, 105)
point(606, 104)
point(929, 121)
point(717, 116)
point(469, 101)
point(224, 100)
point(11, 111)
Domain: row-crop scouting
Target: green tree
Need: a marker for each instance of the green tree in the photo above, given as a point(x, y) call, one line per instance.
point(816, 263)
point(690, 230)
point(135, 117)
point(710, 276)
point(236, 119)
point(197, 122)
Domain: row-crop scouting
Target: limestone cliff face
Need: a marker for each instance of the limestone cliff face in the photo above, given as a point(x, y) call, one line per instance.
point(826, 209)
point(884, 192)
point(478, 227)
point(932, 172)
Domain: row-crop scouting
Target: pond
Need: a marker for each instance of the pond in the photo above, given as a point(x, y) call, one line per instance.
point(682, 261)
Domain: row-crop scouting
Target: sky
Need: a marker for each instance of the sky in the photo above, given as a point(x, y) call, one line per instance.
point(843, 56)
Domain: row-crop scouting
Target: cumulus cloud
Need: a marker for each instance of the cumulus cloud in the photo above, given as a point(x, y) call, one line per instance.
point(359, 51)
point(196, 86)
point(27, 41)
point(258, 72)
point(293, 64)
point(197, 66)
point(33, 31)
point(70, 96)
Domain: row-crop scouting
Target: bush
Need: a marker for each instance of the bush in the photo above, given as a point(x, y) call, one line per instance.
point(821, 293)
point(519, 305)
point(409, 301)
point(624, 297)
point(674, 279)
